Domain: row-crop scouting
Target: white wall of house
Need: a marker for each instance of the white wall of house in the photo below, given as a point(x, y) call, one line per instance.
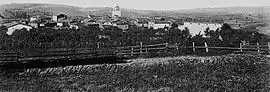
point(143, 25)
point(54, 18)
point(60, 24)
point(123, 27)
point(17, 27)
point(74, 26)
point(35, 25)
point(33, 18)
point(157, 26)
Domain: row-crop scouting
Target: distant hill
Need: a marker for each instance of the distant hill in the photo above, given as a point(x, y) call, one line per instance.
point(79, 11)
point(54, 8)
point(70, 10)
point(230, 10)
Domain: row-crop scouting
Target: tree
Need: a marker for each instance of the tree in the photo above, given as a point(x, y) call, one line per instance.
point(174, 26)
point(226, 26)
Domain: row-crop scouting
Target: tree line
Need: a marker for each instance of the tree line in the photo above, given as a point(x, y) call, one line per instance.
point(89, 37)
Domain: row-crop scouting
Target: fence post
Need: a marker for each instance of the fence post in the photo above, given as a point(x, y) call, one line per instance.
point(141, 45)
point(206, 47)
point(98, 45)
point(268, 45)
point(167, 45)
point(258, 47)
point(241, 47)
point(51, 45)
point(177, 47)
point(132, 49)
point(146, 50)
point(193, 46)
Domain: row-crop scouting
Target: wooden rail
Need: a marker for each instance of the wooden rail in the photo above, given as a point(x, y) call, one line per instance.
point(57, 54)
point(142, 49)
point(79, 53)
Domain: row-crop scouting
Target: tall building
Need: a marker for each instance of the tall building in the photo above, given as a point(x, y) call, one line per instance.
point(116, 12)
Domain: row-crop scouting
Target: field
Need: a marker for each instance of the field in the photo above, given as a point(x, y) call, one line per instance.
point(227, 73)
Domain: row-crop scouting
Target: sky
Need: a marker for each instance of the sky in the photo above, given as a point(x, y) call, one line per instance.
point(151, 4)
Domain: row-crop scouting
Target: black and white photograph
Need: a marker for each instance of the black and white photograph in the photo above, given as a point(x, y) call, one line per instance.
point(134, 46)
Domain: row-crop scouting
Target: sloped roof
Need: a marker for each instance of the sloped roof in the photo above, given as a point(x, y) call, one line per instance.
point(1, 16)
point(17, 24)
point(10, 24)
point(162, 22)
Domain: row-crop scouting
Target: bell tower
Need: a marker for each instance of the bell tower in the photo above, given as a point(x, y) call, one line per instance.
point(116, 11)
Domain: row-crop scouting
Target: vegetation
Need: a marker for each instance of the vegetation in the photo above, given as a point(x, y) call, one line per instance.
point(112, 37)
point(233, 73)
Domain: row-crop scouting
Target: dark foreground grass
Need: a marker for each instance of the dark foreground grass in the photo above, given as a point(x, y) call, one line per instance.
point(230, 73)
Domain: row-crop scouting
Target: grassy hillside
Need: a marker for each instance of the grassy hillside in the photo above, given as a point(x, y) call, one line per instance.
point(230, 73)
point(54, 8)
point(79, 11)
point(229, 10)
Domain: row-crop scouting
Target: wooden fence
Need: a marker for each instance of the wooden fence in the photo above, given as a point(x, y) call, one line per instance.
point(264, 46)
point(55, 54)
point(142, 49)
point(80, 53)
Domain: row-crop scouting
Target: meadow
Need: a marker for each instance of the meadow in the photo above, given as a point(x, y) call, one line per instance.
point(226, 73)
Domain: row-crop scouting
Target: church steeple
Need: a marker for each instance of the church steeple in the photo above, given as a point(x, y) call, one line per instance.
point(117, 8)
point(116, 11)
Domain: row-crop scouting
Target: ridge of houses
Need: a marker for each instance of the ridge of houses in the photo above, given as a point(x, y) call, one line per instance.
point(62, 20)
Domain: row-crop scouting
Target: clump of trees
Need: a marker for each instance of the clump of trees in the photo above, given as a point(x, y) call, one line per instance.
point(87, 37)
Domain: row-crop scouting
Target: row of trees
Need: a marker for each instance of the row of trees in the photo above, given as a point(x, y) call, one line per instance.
point(92, 37)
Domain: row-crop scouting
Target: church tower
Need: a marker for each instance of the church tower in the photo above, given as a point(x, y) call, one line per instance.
point(116, 12)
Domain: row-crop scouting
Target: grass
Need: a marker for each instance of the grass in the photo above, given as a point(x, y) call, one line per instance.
point(230, 73)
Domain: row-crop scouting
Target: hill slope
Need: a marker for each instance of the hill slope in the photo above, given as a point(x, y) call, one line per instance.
point(80, 11)
point(54, 8)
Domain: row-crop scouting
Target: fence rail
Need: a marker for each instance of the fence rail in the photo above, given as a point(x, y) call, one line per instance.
point(72, 53)
point(57, 54)
point(142, 49)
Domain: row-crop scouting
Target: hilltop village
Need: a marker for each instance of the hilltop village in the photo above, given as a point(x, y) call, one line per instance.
point(61, 30)
point(61, 20)
point(64, 21)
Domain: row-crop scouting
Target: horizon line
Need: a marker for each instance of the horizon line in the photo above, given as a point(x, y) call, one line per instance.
point(81, 6)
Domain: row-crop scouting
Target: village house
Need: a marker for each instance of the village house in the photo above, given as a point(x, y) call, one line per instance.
point(91, 23)
point(63, 23)
point(121, 24)
point(35, 25)
point(39, 21)
point(17, 26)
point(61, 20)
point(73, 26)
point(50, 24)
point(59, 17)
point(107, 25)
point(159, 24)
point(34, 18)
point(143, 24)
